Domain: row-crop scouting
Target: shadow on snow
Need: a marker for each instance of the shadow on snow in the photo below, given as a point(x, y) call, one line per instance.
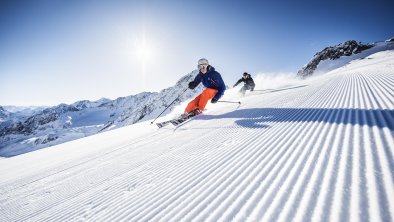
point(261, 117)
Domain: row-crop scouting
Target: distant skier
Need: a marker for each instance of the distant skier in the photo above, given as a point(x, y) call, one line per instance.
point(215, 88)
point(249, 83)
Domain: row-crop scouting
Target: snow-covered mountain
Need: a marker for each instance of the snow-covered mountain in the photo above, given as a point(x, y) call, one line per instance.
point(24, 110)
point(54, 125)
point(337, 56)
point(4, 114)
point(319, 149)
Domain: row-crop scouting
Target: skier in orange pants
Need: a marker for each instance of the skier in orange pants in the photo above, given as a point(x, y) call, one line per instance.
point(210, 79)
point(201, 100)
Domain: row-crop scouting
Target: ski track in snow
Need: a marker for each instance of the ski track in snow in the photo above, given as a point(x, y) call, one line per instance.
point(318, 151)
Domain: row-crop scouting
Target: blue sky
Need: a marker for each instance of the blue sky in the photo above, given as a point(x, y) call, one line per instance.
point(54, 52)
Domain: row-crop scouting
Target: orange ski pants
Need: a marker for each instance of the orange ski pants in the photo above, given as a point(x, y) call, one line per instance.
point(201, 100)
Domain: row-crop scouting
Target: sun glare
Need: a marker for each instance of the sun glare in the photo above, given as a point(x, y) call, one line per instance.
point(144, 51)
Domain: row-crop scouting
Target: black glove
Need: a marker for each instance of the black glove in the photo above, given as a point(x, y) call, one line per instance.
point(192, 85)
point(214, 100)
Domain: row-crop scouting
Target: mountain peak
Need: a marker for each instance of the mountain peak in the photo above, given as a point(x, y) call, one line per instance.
point(347, 48)
point(3, 113)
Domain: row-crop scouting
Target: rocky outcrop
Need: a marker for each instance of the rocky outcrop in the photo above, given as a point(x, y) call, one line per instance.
point(332, 53)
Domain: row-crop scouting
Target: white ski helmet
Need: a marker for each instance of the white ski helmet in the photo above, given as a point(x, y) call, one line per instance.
point(203, 61)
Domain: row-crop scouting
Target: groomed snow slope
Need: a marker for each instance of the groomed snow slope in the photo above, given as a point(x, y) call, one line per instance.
point(316, 150)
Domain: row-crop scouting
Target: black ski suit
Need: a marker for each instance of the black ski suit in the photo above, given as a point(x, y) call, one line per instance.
point(249, 83)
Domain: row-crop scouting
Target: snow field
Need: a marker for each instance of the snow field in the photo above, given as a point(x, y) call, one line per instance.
point(316, 150)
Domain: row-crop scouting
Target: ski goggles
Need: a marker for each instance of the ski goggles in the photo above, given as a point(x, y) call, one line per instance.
point(201, 66)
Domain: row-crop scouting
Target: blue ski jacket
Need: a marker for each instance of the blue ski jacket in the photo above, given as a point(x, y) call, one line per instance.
point(213, 80)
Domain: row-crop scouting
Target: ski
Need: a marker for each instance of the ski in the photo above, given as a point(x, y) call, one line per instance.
point(176, 121)
point(162, 124)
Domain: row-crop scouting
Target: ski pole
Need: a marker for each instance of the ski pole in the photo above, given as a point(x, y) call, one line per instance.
point(229, 102)
point(168, 106)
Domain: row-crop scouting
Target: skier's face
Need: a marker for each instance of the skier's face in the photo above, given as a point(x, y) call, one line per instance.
point(203, 68)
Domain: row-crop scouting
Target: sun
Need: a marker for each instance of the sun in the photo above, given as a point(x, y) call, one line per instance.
point(144, 55)
point(144, 51)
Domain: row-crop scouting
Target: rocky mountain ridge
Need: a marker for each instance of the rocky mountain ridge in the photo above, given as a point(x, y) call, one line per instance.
point(4, 114)
point(346, 49)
